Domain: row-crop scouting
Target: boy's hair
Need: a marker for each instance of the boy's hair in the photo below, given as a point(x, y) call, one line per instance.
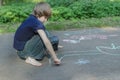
point(42, 9)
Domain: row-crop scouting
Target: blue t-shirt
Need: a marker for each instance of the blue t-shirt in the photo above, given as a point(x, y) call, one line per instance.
point(26, 31)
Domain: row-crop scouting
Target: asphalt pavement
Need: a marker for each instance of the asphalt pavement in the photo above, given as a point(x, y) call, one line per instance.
point(88, 54)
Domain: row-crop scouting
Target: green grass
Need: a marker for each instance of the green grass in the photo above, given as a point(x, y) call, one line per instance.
point(86, 23)
point(66, 25)
point(8, 27)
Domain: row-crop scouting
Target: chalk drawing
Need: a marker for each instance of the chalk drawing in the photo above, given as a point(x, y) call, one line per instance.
point(66, 34)
point(78, 38)
point(112, 48)
point(74, 40)
point(89, 37)
point(78, 53)
point(75, 37)
point(75, 53)
point(99, 50)
point(91, 52)
point(71, 41)
point(82, 61)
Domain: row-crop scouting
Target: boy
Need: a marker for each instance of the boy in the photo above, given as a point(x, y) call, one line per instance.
point(31, 41)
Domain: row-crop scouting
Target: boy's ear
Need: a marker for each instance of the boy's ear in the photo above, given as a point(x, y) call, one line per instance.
point(37, 16)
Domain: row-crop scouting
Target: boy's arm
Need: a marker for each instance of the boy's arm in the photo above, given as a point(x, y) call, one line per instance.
point(48, 46)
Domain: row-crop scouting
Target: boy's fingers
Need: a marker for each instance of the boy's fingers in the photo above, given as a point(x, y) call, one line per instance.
point(57, 62)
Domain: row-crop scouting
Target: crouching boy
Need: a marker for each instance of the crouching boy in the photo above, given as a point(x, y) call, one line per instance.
point(31, 39)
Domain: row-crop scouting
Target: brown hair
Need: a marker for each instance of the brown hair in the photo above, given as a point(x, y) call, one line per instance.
point(42, 9)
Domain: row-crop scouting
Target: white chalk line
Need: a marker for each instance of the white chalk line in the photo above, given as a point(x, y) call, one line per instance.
point(112, 47)
point(90, 52)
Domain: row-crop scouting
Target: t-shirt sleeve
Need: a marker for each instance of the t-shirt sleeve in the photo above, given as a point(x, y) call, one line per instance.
point(38, 25)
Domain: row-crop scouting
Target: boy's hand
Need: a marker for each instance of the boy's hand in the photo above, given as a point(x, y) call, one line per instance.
point(57, 62)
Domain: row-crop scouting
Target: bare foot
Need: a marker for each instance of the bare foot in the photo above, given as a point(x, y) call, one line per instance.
point(32, 61)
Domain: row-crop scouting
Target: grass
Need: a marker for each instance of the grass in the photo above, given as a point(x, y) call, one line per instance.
point(86, 23)
point(68, 25)
point(8, 27)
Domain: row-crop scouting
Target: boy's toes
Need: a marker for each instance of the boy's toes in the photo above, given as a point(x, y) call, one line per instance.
point(33, 62)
